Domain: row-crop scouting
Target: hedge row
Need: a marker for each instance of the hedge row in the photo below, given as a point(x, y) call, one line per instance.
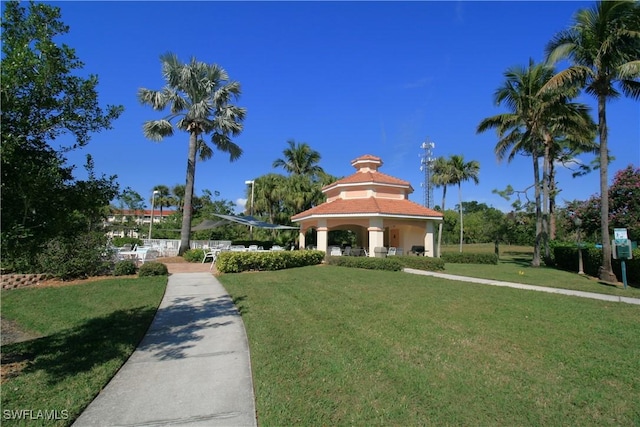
point(389, 264)
point(393, 263)
point(422, 263)
point(566, 258)
point(236, 262)
point(470, 258)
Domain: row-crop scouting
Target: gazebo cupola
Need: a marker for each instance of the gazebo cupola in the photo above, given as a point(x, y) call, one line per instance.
point(367, 163)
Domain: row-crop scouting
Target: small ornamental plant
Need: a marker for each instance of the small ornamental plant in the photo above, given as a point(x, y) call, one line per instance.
point(153, 269)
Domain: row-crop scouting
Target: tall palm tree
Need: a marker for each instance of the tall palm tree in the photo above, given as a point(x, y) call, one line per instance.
point(603, 45)
point(199, 95)
point(300, 159)
point(441, 176)
point(461, 172)
point(535, 122)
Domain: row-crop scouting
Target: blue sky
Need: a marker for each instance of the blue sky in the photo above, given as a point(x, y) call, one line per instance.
point(348, 78)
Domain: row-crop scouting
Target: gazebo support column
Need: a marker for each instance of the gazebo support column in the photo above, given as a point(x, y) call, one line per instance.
point(323, 237)
point(301, 239)
point(429, 247)
point(376, 234)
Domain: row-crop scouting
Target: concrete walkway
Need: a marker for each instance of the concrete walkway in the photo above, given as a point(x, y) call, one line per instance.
point(581, 294)
point(191, 369)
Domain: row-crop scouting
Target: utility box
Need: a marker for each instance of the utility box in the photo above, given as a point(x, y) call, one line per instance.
point(622, 249)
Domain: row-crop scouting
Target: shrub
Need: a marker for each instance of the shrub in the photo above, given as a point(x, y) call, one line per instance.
point(470, 258)
point(153, 269)
point(566, 258)
point(76, 257)
point(389, 264)
point(236, 262)
point(193, 255)
point(126, 267)
point(421, 263)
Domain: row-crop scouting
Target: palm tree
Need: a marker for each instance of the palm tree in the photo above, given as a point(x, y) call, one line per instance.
point(441, 176)
point(462, 171)
point(177, 196)
point(162, 199)
point(270, 190)
point(300, 159)
point(603, 45)
point(199, 95)
point(534, 125)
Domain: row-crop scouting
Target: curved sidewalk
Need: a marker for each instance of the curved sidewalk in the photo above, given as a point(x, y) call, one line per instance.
point(582, 294)
point(192, 368)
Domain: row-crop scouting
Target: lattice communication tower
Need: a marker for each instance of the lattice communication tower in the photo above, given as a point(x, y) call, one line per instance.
point(426, 166)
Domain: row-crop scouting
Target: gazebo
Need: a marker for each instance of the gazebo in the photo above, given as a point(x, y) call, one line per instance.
point(375, 206)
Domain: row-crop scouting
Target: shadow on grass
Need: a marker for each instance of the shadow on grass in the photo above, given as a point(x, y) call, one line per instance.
point(520, 260)
point(80, 349)
point(174, 330)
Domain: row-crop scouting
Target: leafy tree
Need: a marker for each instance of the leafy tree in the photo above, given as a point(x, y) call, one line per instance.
point(43, 98)
point(603, 45)
point(461, 172)
point(133, 202)
point(201, 96)
point(624, 196)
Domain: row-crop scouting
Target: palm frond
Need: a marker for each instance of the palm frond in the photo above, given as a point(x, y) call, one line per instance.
point(157, 130)
point(223, 143)
point(204, 151)
point(154, 98)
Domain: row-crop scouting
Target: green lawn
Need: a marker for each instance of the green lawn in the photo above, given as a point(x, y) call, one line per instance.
point(515, 266)
point(339, 346)
point(86, 333)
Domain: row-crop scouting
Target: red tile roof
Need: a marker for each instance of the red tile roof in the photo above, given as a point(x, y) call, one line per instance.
point(369, 206)
point(369, 177)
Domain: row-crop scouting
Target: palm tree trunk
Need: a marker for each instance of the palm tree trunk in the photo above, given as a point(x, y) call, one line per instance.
point(461, 224)
point(185, 232)
point(440, 226)
point(606, 271)
point(536, 176)
point(552, 201)
point(546, 162)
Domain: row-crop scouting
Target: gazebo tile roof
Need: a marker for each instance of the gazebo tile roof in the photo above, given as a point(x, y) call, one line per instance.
point(366, 177)
point(369, 206)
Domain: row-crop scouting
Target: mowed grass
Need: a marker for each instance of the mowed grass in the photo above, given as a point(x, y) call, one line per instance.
point(86, 333)
point(515, 266)
point(339, 346)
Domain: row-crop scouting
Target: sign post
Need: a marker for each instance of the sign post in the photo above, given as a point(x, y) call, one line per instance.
point(622, 250)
